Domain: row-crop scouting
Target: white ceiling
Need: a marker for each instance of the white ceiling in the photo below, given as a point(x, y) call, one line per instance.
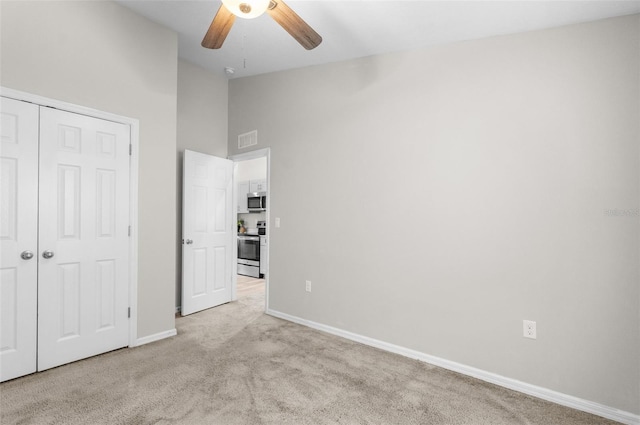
point(359, 28)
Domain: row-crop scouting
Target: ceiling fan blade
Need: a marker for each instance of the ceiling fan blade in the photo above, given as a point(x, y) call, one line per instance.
point(294, 24)
point(219, 28)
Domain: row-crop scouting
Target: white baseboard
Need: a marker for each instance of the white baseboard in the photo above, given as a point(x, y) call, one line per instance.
point(523, 387)
point(155, 337)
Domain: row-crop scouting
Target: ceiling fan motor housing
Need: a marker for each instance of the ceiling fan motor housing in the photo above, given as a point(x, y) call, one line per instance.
point(247, 9)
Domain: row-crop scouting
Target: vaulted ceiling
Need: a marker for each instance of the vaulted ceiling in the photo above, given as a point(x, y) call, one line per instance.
point(359, 28)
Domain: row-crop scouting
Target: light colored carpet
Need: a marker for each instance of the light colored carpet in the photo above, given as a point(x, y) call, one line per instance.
point(235, 365)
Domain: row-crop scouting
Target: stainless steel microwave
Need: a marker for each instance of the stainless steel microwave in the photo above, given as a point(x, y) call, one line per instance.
point(257, 201)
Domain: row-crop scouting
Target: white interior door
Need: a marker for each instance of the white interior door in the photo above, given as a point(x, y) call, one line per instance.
point(207, 231)
point(84, 247)
point(18, 238)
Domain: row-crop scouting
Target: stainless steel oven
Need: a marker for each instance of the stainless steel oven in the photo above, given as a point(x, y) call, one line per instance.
point(249, 255)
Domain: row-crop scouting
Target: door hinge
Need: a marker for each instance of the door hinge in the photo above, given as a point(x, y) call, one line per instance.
point(130, 149)
point(129, 231)
point(128, 312)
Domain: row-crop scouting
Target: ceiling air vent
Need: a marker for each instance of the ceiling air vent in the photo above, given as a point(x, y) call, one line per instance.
point(248, 139)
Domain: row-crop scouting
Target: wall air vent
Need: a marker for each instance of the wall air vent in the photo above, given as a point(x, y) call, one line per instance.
point(248, 139)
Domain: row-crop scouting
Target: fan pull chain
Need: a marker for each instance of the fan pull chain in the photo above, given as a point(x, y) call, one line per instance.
point(244, 52)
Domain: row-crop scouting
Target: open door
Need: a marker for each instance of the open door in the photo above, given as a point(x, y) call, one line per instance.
point(207, 232)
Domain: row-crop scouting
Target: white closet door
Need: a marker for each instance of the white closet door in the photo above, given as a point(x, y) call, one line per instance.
point(18, 237)
point(84, 249)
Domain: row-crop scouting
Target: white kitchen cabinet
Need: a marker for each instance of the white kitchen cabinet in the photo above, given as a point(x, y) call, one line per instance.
point(263, 255)
point(243, 189)
point(258, 185)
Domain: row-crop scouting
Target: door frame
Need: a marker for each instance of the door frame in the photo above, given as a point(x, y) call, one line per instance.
point(134, 128)
point(245, 156)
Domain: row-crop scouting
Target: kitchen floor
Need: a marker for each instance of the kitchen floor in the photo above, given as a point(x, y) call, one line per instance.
point(250, 287)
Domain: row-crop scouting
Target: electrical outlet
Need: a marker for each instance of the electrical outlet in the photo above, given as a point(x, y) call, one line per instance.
point(308, 285)
point(529, 329)
point(278, 222)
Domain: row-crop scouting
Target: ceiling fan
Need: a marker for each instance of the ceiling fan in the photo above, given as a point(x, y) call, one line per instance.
point(249, 9)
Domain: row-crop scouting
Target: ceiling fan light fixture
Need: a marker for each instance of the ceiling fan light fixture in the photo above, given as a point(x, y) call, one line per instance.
point(247, 9)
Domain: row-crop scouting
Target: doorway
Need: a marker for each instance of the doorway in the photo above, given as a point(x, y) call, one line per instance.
point(251, 175)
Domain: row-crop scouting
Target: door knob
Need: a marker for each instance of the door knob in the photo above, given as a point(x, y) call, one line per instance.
point(26, 255)
point(188, 241)
point(47, 254)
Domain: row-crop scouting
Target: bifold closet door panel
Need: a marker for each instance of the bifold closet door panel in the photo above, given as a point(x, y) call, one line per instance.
point(84, 243)
point(18, 237)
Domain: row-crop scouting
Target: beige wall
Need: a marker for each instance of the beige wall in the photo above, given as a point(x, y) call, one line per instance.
point(202, 127)
point(447, 194)
point(103, 56)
